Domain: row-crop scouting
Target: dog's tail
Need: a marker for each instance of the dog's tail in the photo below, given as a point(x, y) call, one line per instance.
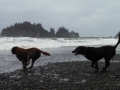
point(117, 42)
point(45, 53)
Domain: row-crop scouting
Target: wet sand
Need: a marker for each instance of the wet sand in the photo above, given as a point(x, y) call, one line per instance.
point(73, 75)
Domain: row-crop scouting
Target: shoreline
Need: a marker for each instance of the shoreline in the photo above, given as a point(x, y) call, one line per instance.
point(74, 75)
point(61, 71)
point(10, 63)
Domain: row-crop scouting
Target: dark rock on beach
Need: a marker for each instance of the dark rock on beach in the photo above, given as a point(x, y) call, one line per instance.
point(74, 75)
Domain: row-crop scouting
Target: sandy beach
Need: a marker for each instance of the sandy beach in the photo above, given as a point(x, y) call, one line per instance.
point(65, 72)
point(76, 75)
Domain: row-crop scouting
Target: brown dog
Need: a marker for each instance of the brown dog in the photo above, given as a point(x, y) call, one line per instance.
point(24, 55)
point(94, 54)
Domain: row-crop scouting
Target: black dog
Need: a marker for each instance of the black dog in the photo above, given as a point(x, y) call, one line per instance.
point(94, 54)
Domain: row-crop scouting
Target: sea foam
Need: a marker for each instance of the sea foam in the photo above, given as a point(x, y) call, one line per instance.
point(6, 43)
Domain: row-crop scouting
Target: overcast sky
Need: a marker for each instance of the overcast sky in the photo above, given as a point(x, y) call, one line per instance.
point(99, 18)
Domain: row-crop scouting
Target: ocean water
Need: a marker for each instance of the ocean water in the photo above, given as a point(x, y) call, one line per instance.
point(59, 48)
point(6, 43)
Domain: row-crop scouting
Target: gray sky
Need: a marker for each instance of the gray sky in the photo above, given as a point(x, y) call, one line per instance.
point(87, 17)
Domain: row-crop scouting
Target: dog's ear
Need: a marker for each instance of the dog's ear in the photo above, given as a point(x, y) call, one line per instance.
point(80, 48)
point(13, 50)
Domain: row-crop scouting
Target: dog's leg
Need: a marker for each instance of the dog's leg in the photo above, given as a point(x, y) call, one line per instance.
point(32, 63)
point(92, 65)
point(28, 59)
point(107, 59)
point(24, 65)
point(28, 62)
point(96, 66)
point(107, 63)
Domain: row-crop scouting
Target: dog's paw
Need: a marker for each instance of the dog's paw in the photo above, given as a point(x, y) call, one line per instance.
point(96, 70)
point(30, 67)
point(103, 70)
point(24, 69)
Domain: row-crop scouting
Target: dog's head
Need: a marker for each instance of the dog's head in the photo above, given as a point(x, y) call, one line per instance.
point(13, 50)
point(79, 50)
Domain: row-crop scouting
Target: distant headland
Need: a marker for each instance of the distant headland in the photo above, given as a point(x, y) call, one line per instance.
point(26, 29)
point(117, 35)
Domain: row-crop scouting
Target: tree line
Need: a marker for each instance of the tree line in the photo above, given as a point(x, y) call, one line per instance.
point(26, 29)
